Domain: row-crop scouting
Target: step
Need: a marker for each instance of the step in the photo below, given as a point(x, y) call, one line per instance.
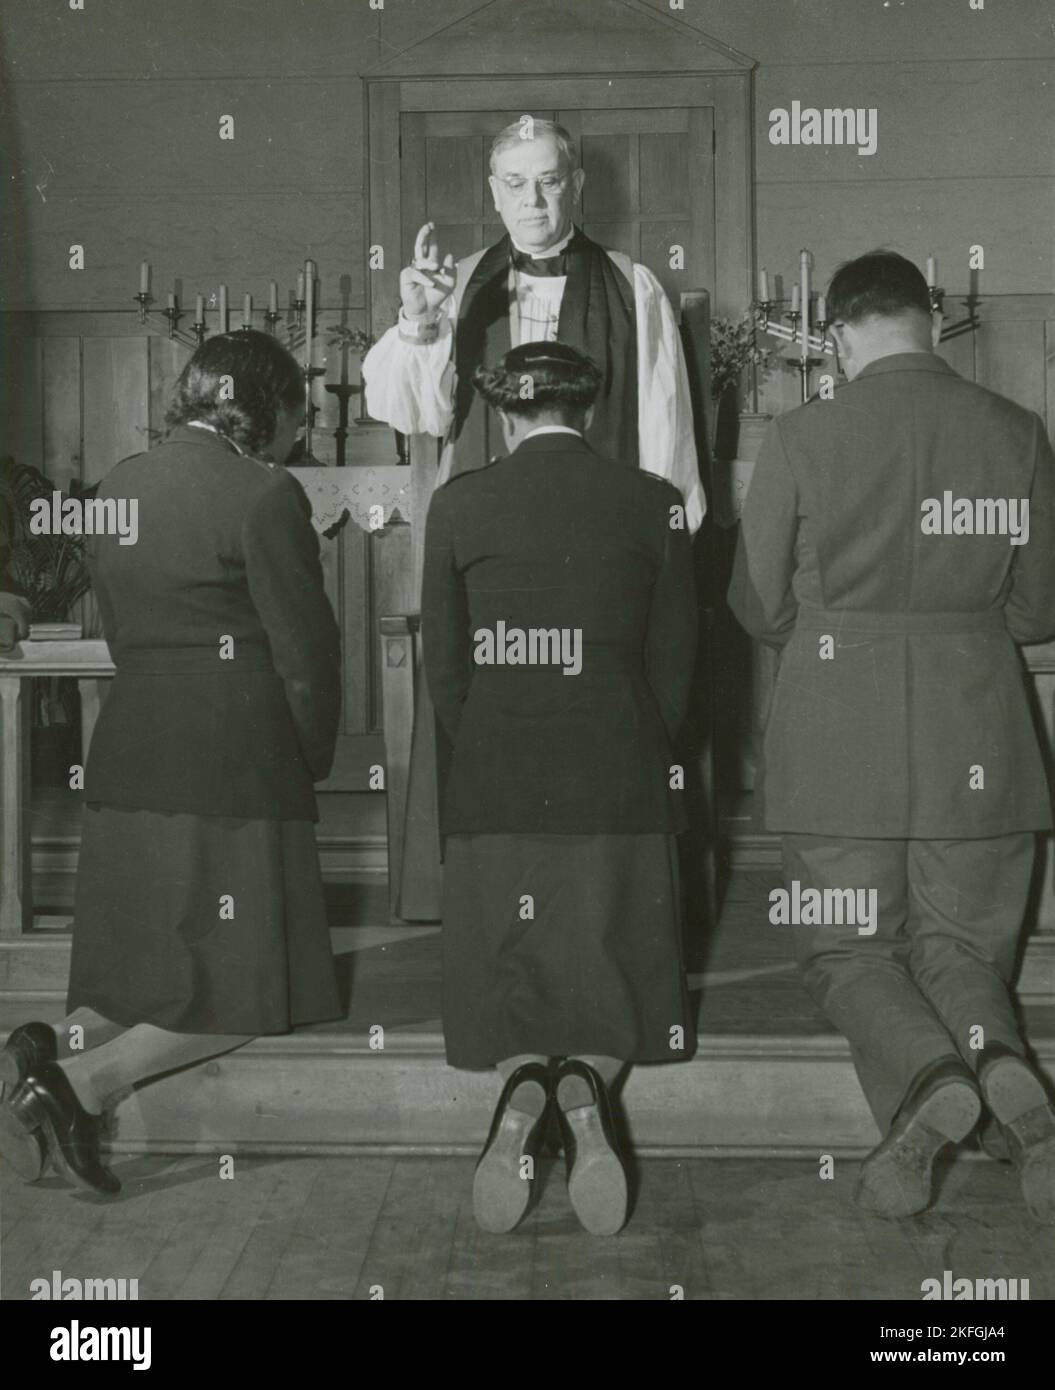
point(329, 1091)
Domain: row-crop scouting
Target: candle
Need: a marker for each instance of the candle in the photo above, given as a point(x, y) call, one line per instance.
point(932, 272)
point(247, 311)
point(822, 309)
point(172, 299)
point(309, 310)
point(144, 277)
point(794, 299)
point(223, 308)
point(199, 308)
point(804, 285)
point(272, 302)
point(763, 286)
point(300, 288)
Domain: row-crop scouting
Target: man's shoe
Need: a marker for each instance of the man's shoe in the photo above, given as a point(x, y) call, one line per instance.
point(1016, 1096)
point(502, 1181)
point(942, 1107)
point(27, 1047)
point(46, 1101)
point(597, 1187)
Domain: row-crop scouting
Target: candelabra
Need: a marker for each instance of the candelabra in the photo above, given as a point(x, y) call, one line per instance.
point(172, 313)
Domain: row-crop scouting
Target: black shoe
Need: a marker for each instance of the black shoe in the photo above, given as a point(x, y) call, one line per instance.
point(27, 1047)
point(942, 1107)
point(46, 1101)
point(502, 1181)
point(597, 1186)
point(1018, 1100)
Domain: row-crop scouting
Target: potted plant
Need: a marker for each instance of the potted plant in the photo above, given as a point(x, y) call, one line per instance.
point(734, 349)
point(52, 574)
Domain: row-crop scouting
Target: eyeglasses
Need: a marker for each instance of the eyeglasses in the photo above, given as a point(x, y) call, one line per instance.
point(549, 183)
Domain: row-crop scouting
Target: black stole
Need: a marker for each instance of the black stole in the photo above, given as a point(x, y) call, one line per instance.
point(597, 316)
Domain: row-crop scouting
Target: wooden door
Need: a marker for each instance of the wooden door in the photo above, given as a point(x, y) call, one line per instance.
point(649, 188)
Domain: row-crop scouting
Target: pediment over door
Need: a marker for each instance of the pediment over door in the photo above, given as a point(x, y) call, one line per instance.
point(507, 38)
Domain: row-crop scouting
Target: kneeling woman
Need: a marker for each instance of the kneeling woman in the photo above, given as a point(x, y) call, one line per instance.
point(559, 626)
point(199, 919)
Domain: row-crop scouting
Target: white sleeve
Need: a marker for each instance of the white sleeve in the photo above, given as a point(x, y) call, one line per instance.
point(410, 385)
point(666, 431)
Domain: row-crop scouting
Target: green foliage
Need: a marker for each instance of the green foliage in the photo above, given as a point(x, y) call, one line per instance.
point(733, 349)
point(50, 570)
point(355, 339)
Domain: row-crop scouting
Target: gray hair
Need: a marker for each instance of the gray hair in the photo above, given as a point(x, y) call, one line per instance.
point(514, 133)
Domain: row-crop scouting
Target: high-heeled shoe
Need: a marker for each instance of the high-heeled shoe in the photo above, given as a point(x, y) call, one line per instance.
point(502, 1181)
point(45, 1100)
point(597, 1186)
point(28, 1046)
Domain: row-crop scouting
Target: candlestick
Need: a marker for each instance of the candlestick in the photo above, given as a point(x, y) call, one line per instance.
point(223, 308)
point(763, 286)
point(144, 277)
point(932, 272)
point(309, 311)
point(247, 311)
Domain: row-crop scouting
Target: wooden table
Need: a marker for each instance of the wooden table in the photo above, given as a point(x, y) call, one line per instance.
point(88, 661)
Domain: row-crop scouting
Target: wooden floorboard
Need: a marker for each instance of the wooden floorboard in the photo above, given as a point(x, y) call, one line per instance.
point(338, 1229)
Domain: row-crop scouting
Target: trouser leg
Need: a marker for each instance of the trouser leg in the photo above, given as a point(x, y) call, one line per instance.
point(862, 982)
point(968, 902)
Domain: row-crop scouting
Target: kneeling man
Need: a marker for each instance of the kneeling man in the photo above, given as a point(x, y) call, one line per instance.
point(897, 542)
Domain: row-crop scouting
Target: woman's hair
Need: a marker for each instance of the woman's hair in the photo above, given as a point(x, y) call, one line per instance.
point(236, 383)
point(538, 377)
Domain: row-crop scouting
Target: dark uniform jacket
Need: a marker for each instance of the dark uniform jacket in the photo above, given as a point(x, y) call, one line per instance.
point(924, 693)
point(226, 550)
point(557, 537)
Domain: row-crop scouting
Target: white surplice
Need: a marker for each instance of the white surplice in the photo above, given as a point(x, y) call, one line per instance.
point(410, 384)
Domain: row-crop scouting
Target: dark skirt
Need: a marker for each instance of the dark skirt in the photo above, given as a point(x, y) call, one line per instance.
point(598, 970)
point(152, 942)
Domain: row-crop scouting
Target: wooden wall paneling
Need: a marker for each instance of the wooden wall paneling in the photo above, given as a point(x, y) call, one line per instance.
point(733, 194)
point(702, 201)
point(959, 352)
point(168, 356)
point(1049, 377)
point(63, 445)
point(353, 615)
point(391, 591)
point(116, 402)
point(1010, 359)
point(23, 430)
point(413, 182)
point(384, 195)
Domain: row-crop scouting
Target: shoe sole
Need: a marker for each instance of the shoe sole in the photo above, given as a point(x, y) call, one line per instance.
point(1011, 1089)
point(22, 1150)
point(500, 1194)
point(896, 1181)
point(25, 1112)
point(597, 1186)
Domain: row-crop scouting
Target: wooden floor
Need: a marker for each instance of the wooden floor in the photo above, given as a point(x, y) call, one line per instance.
point(327, 1228)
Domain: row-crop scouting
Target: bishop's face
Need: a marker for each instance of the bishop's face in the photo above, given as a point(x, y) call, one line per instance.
point(535, 192)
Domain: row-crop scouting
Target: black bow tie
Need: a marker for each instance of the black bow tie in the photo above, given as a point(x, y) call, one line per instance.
point(540, 265)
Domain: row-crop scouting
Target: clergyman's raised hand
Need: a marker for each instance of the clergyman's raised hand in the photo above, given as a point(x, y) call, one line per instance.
point(427, 281)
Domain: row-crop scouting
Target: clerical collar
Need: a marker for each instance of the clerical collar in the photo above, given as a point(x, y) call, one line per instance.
point(543, 255)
